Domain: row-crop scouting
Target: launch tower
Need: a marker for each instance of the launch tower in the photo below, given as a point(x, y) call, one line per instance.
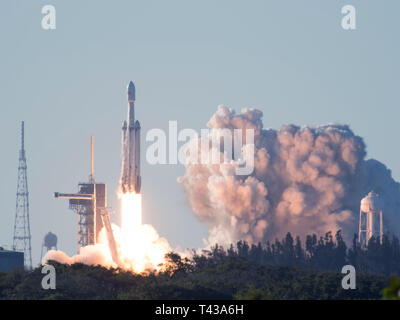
point(87, 203)
point(90, 203)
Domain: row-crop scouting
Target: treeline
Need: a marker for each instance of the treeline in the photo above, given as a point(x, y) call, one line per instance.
point(182, 279)
point(283, 269)
point(326, 253)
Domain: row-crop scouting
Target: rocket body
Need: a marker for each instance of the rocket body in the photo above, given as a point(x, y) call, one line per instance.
point(130, 166)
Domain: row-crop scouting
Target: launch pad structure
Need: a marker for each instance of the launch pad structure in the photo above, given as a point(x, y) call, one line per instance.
point(90, 204)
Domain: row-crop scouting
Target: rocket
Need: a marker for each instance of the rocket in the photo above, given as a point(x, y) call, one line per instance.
point(130, 166)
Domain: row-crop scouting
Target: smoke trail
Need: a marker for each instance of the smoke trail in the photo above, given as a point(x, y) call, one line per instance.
point(306, 180)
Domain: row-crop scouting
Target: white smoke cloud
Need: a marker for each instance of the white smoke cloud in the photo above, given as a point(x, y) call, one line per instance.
point(306, 180)
point(91, 255)
point(142, 253)
point(98, 254)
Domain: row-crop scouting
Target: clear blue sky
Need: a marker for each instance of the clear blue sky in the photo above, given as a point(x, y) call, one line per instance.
point(290, 59)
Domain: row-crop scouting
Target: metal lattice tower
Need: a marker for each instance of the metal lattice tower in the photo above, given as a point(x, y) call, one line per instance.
point(22, 231)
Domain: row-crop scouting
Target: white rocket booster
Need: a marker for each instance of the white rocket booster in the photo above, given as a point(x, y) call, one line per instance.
point(130, 167)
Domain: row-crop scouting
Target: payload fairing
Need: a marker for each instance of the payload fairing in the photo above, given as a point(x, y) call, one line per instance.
point(130, 166)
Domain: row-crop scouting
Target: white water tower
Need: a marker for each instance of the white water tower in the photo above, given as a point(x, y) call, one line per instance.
point(370, 224)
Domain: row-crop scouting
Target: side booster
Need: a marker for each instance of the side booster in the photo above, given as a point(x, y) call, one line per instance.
point(130, 167)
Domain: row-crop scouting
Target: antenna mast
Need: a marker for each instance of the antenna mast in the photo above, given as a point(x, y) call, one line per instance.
point(22, 232)
point(91, 177)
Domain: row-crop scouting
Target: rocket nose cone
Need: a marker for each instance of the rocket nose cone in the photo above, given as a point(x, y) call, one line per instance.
point(131, 91)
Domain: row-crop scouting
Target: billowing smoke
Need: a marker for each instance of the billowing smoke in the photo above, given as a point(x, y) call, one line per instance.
point(98, 254)
point(305, 180)
point(91, 255)
point(143, 251)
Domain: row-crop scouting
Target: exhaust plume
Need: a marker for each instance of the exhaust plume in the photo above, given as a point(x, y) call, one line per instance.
point(140, 249)
point(305, 180)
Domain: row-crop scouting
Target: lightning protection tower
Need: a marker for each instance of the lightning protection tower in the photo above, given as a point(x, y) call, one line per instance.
point(22, 231)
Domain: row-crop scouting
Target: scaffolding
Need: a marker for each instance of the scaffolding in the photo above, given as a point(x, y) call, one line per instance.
point(90, 205)
point(88, 202)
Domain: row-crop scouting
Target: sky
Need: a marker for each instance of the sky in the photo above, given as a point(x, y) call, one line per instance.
point(290, 59)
